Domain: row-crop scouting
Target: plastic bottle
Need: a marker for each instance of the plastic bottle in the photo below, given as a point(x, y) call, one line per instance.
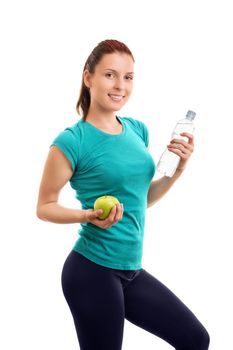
point(169, 161)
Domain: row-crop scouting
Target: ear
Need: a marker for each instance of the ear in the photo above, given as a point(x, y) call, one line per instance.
point(86, 78)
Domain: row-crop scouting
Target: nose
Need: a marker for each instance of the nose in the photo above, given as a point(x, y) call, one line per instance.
point(120, 84)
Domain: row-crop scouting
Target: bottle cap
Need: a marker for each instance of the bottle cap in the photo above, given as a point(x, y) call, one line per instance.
point(190, 115)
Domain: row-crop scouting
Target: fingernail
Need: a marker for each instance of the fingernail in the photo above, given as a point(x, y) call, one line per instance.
point(122, 206)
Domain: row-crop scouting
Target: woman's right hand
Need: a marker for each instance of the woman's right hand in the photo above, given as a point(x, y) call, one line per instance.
point(115, 215)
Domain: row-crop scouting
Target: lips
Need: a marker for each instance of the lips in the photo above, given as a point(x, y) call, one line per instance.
point(116, 98)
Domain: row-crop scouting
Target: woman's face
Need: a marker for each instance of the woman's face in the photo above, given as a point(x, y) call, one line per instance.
point(112, 82)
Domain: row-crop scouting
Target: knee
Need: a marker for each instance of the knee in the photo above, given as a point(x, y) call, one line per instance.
point(197, 340)
point(201, 340)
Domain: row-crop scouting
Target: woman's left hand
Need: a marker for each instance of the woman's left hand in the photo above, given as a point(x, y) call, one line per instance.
point(182, 148)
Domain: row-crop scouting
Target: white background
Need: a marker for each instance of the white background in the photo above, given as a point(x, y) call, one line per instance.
point(183, 53)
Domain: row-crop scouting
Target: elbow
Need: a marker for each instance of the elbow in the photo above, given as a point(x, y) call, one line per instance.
point(151, 203)
point(39, 213)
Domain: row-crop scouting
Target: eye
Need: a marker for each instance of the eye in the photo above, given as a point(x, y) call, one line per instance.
point(109, 75)
point(129, 77)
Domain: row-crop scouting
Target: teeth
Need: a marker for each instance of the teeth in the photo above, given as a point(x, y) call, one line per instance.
point(116, 97)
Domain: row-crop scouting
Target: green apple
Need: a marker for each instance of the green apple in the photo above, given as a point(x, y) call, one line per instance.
point(106, 203)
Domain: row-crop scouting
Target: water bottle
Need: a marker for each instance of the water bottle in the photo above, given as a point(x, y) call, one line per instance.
point(169, 161)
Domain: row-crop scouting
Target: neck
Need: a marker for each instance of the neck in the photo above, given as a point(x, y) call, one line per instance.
point(101, 119)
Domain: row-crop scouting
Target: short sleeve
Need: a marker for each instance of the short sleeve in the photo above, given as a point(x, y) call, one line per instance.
point(68, 144)
point(145, 133)
point(140, 128)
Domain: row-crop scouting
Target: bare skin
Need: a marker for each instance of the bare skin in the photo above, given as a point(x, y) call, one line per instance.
point(184, 149)
point(57, 172)
point(113, 75)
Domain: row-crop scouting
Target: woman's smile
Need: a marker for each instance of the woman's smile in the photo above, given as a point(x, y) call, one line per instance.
point(116, 98)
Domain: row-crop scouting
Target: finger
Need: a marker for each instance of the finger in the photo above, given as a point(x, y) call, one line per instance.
point(95, 214)
point(182, 153)
point(106, 223)
point(189, 136)
point(122, 210)
point(182, 142)
point(187, 149)
point(110, 218)
point(118, 215)
point(115, 215)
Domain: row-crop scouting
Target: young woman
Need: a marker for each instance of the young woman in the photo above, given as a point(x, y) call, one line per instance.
point(105, 154)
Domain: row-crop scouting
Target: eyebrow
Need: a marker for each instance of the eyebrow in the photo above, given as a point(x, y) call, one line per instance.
point(113, 70)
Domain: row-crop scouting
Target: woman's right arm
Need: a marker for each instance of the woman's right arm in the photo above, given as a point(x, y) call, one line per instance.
point(57, 172)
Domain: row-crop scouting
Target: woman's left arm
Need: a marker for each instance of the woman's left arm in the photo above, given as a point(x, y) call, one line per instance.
point(160, 187)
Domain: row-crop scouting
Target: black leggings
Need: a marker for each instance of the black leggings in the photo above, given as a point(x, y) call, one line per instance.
point(100, 298)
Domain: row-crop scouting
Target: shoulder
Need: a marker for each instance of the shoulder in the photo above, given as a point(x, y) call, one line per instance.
point(136, 123)
point(70, 134)
point(139, 127)
point(68, 141)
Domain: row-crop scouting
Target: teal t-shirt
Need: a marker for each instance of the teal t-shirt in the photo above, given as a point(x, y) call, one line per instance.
point(117, 165)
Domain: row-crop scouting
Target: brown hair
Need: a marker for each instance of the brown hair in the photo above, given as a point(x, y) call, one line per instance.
point(104, 47)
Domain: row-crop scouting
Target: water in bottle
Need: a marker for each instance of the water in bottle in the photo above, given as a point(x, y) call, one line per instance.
point(169, 161)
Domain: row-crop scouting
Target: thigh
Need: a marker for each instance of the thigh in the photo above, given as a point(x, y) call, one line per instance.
point(95, 298)
point(152, 306)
